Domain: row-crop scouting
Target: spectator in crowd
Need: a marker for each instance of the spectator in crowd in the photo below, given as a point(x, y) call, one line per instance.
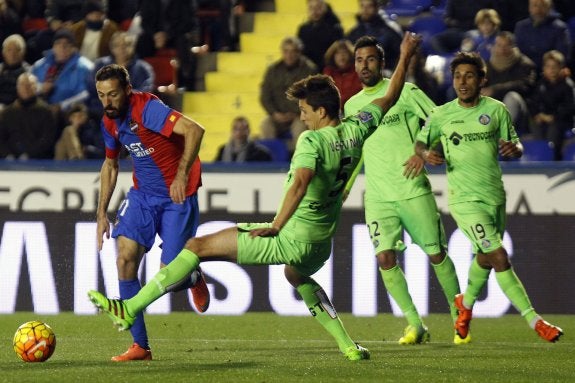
point(460, 18)
point(541, 32)
point(41, 41)
point(28, 128)
point(13, 65)
point(320, 30)
point(172, 25)
point(67, 12)
point(511, 76)
point(240, 147)
point(482, 39)
point(94, 32)
point(283, 115)
point(69, 145)
point(371, 23)
point(339, 64)
point(63, 72)
point(10, 22)
point(551, 104)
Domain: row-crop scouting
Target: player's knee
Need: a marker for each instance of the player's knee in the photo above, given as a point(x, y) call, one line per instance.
point(499, 260)
point(436, 259)
point(386, 259)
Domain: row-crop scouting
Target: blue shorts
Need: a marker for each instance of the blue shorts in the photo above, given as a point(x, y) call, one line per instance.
point(141, 216)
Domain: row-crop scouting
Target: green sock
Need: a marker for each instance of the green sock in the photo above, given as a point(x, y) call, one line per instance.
point(514, 290)
point(447, 277)
point(396, 285)
point(173, 274)
point(476, 281)
point(322, 309)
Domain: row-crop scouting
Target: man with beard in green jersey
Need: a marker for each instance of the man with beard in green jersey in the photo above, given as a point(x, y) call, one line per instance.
point(394, 202)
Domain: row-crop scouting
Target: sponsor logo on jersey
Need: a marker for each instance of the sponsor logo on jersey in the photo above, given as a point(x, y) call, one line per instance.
point(484, 119)
point(364, 116)
point(136, 149)
point(481, 136)
point(455, 138)
point(390, 119)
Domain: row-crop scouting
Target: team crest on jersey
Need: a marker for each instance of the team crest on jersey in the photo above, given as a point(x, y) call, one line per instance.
point(364, 116)
point(133, 126)
point(485, 243)
point(484, 119)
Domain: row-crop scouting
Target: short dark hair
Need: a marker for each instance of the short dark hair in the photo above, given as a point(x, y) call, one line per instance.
point(471, 58)
point(369, 41)
point(114, 71)
point(317, 90)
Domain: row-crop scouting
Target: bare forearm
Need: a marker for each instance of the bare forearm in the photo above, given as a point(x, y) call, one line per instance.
point(193, 134)
point(108, 179)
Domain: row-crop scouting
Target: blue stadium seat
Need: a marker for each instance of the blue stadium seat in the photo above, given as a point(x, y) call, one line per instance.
point(277, 147)
point(407, 8)
point(569, 151)
point(536, 150)
point(438, 8)
point(427, 26)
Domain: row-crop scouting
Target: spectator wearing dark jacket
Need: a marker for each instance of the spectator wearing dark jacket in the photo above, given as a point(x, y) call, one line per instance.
point(240, 147)
point(541, 32)
point(322, 28)
point(371, 23)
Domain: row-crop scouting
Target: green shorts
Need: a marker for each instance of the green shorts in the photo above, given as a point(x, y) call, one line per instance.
point(418, 216)
point(483, 224)
point(306, 258)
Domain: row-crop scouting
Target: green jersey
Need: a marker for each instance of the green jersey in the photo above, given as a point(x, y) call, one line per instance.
point(332, 152)
point(385, 152)
point(470, 138)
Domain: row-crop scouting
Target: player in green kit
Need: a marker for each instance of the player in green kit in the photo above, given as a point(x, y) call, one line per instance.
point(474, 131)
point(394, 202)
point(300, 235)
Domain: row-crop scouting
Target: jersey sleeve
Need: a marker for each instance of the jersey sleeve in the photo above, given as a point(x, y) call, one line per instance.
point(428, 133)
point(306, 154)
point(420, 104)
point(506, 129)
point(160, 118)
point(111, 143)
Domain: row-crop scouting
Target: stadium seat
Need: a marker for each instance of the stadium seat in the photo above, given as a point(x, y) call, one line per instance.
point(427, 26)
point(536, 150)
point(407, 8)
point(277, 147)
point(569, 151)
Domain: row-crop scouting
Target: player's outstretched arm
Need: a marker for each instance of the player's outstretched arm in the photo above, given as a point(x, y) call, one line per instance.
point(408, 46)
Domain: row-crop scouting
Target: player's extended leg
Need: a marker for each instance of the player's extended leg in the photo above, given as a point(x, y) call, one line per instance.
point(219, 246)
point(130, 254)
point(322, 309)
point(396, 285)
point(514, 290)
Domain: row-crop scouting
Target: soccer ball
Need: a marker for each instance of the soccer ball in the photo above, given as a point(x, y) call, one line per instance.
point(34, 341)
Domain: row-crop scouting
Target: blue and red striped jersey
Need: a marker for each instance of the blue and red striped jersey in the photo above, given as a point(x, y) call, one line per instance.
point(146, 132)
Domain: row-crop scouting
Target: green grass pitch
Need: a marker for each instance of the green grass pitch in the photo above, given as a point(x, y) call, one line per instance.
point(265, 347)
